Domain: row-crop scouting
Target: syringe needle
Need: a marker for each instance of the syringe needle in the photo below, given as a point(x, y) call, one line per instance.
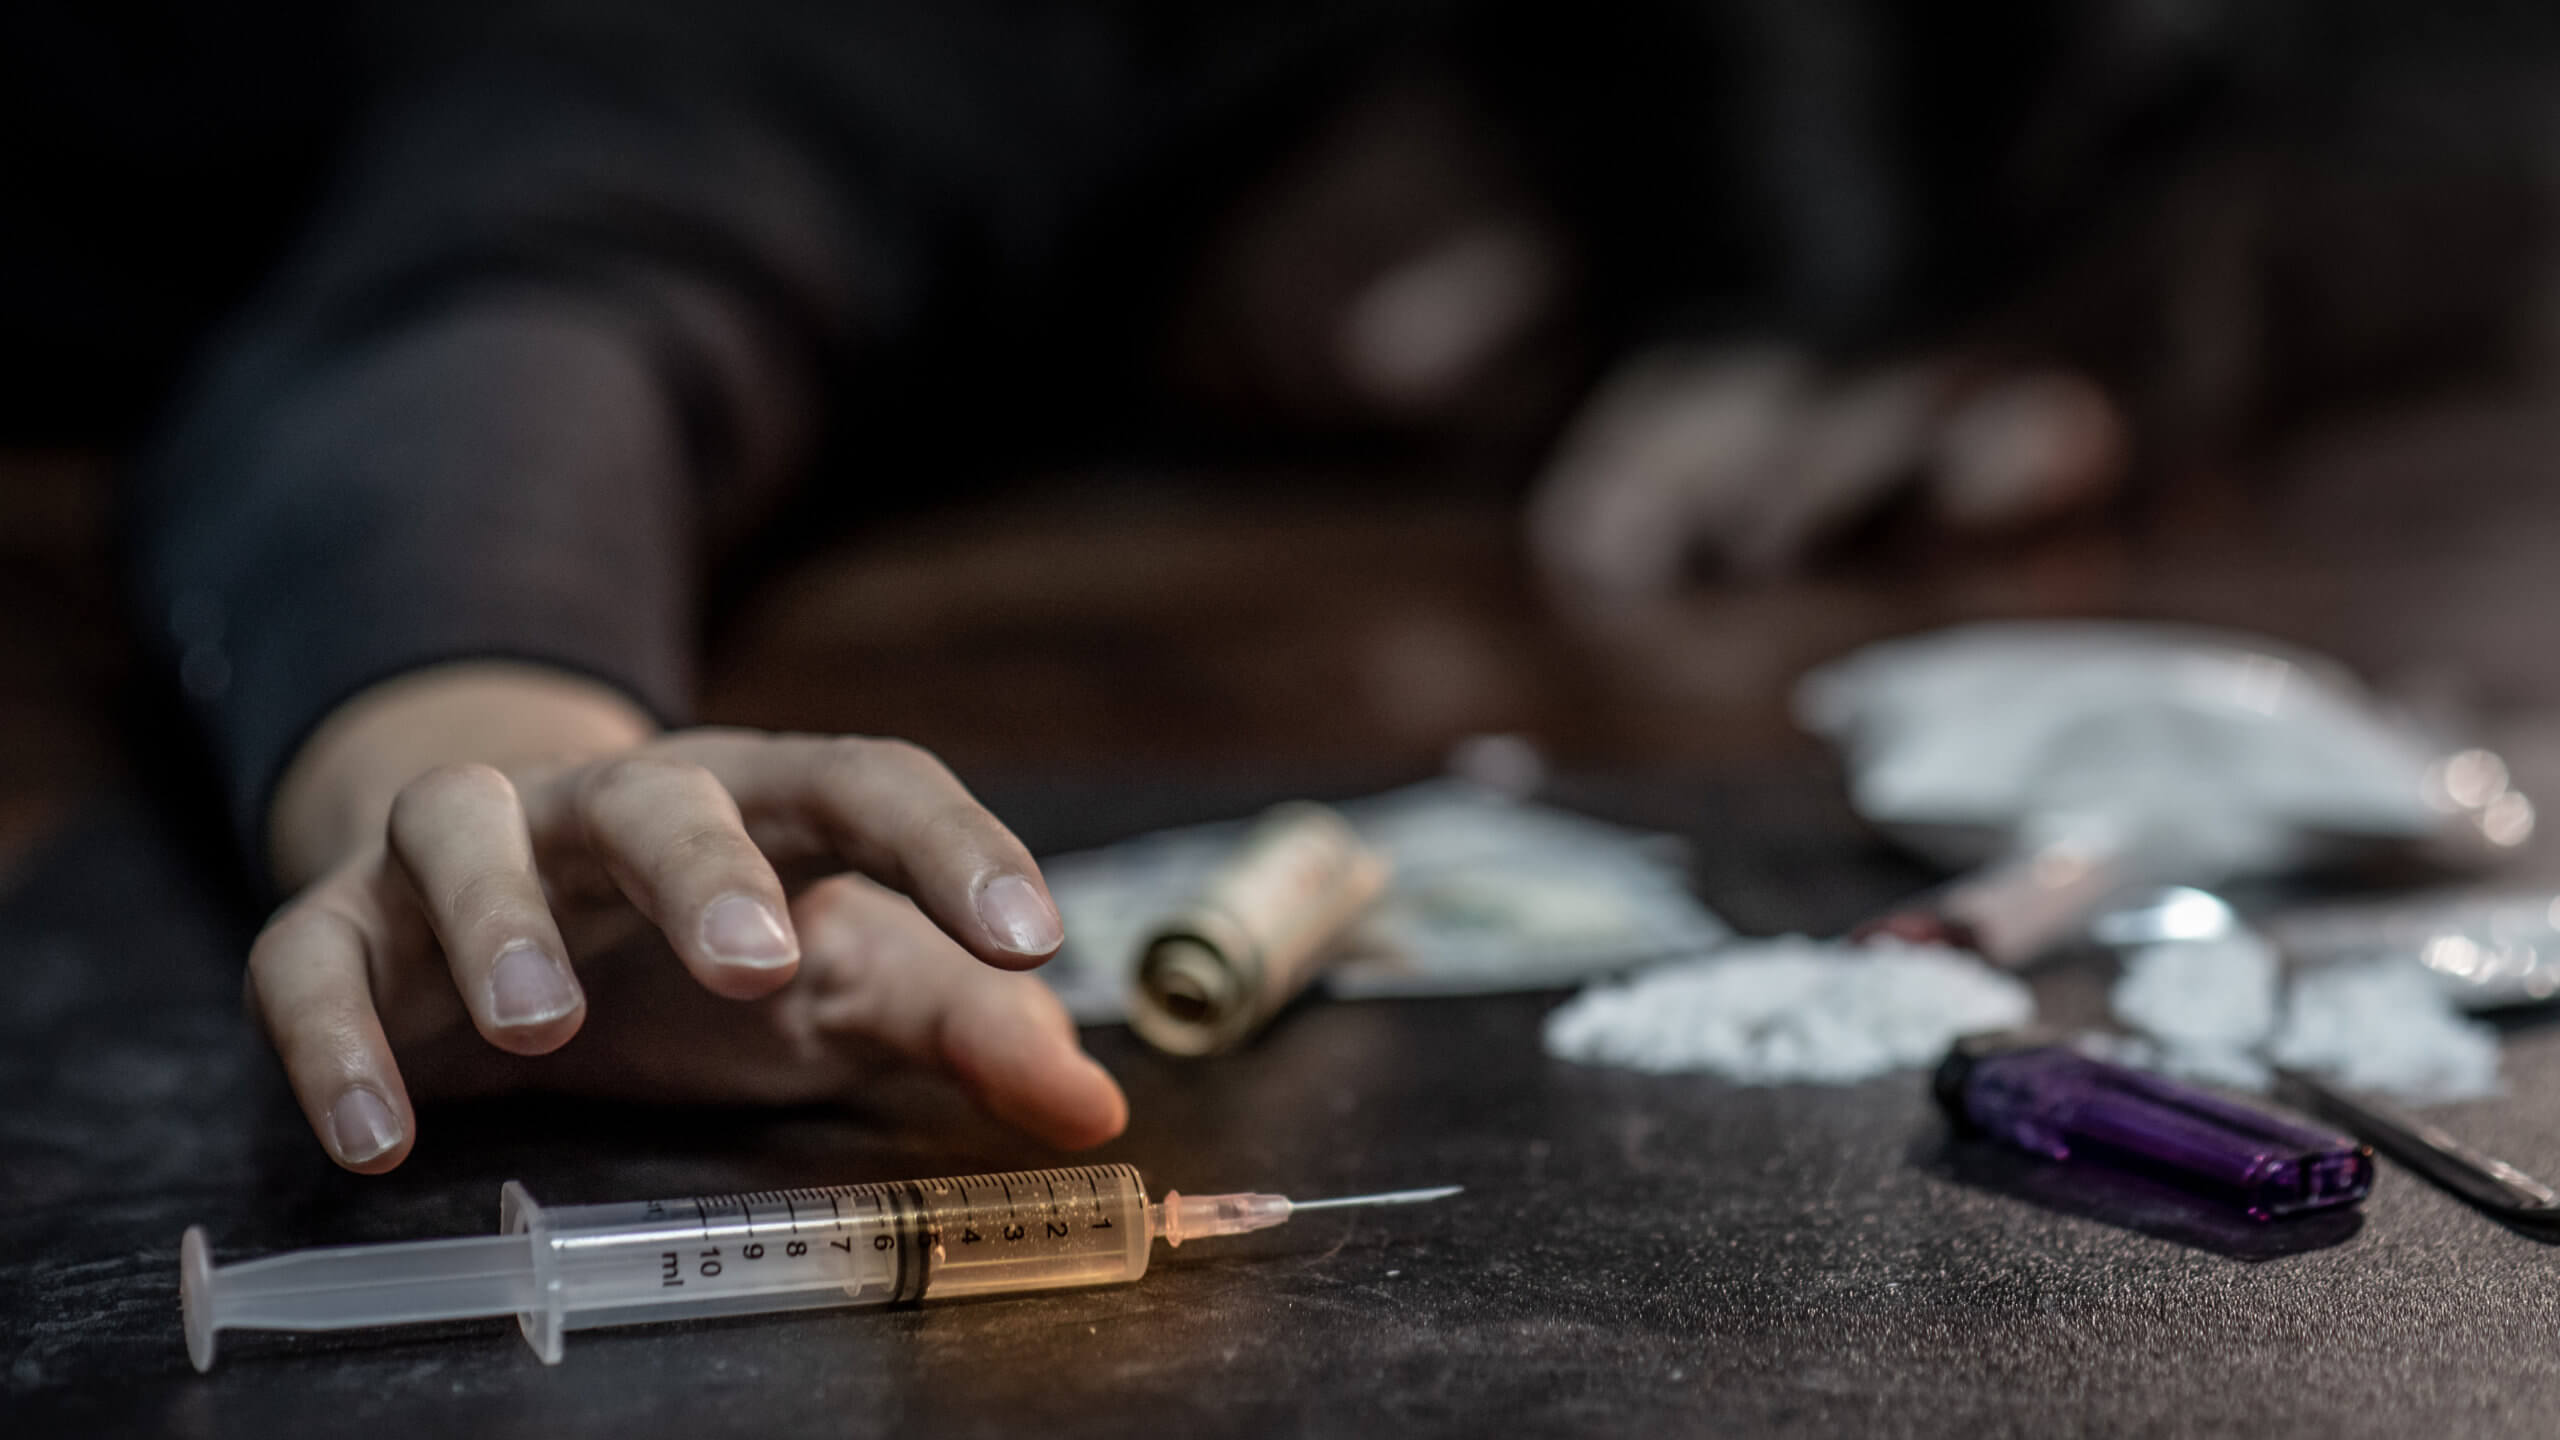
point(1180, 1217)
point(1387, 1197)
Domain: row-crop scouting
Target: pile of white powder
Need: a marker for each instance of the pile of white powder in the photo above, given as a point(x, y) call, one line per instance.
point(2205, 1006)
point(1793, 1010)
point(2209, 1007)
point(1773, 1012)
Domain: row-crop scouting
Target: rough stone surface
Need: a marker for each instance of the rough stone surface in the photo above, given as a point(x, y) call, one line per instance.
point(1634, 1254)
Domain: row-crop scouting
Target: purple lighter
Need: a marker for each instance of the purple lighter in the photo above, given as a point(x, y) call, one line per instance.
point(2048, 1099)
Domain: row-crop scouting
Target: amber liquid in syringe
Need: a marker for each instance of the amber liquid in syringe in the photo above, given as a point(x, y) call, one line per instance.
point(860, 1244)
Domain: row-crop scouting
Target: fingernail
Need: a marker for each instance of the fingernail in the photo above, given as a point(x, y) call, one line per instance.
point(528, 987)
point(742, 931)
point(361, 1126)
point(1022, 918)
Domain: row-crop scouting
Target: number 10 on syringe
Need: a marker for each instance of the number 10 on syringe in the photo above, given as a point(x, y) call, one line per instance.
point(578, 1267)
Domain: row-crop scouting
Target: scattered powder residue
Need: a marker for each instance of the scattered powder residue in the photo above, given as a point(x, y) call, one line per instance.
point(2205, 1004)
point(2387, 1025)
point(2207, 1010)
point(1771, 1012)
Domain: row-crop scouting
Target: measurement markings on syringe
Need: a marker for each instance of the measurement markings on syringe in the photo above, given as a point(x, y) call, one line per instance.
point(893, 1219)
point(712, 1260)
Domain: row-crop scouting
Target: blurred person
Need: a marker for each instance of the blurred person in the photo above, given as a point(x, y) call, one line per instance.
point(592, 296)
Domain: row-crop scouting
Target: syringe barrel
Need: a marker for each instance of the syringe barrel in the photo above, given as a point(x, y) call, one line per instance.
point(655, 1260)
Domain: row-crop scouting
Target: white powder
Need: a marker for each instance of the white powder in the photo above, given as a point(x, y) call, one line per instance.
point(1773, 1012)
point(2387, 1025)
point(2217, 748)
point(2206, 1005)
point(2207, 1011)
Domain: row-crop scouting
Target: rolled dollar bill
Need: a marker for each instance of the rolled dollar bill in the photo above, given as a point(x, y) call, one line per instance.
point(1211, 973)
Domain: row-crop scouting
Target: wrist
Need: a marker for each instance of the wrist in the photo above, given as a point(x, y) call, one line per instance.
point(335, 794)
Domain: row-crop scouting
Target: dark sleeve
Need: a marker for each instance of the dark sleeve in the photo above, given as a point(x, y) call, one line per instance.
point(551, 335)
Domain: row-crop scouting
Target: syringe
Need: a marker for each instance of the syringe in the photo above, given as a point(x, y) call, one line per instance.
point(578, 1267)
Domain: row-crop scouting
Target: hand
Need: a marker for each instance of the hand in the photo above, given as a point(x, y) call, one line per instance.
point(469, 938)
point(1753, 457)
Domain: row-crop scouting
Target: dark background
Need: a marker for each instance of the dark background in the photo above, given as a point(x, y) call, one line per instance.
point(1101, 646)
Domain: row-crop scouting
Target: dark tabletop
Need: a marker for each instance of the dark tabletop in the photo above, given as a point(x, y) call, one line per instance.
point(1633, 1254)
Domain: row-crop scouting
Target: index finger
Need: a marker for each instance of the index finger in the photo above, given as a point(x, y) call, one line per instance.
point(894, 812)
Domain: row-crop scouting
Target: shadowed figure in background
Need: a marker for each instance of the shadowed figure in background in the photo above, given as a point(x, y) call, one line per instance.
point(587, 303)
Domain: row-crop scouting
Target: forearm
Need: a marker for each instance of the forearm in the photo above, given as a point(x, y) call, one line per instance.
point(503, 482)
point(501, 409)
point(337, 791)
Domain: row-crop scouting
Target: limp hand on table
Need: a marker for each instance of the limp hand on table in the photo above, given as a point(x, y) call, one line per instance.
point(715, 915)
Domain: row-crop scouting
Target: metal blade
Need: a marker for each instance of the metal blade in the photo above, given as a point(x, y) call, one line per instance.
point(2481, 1178)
